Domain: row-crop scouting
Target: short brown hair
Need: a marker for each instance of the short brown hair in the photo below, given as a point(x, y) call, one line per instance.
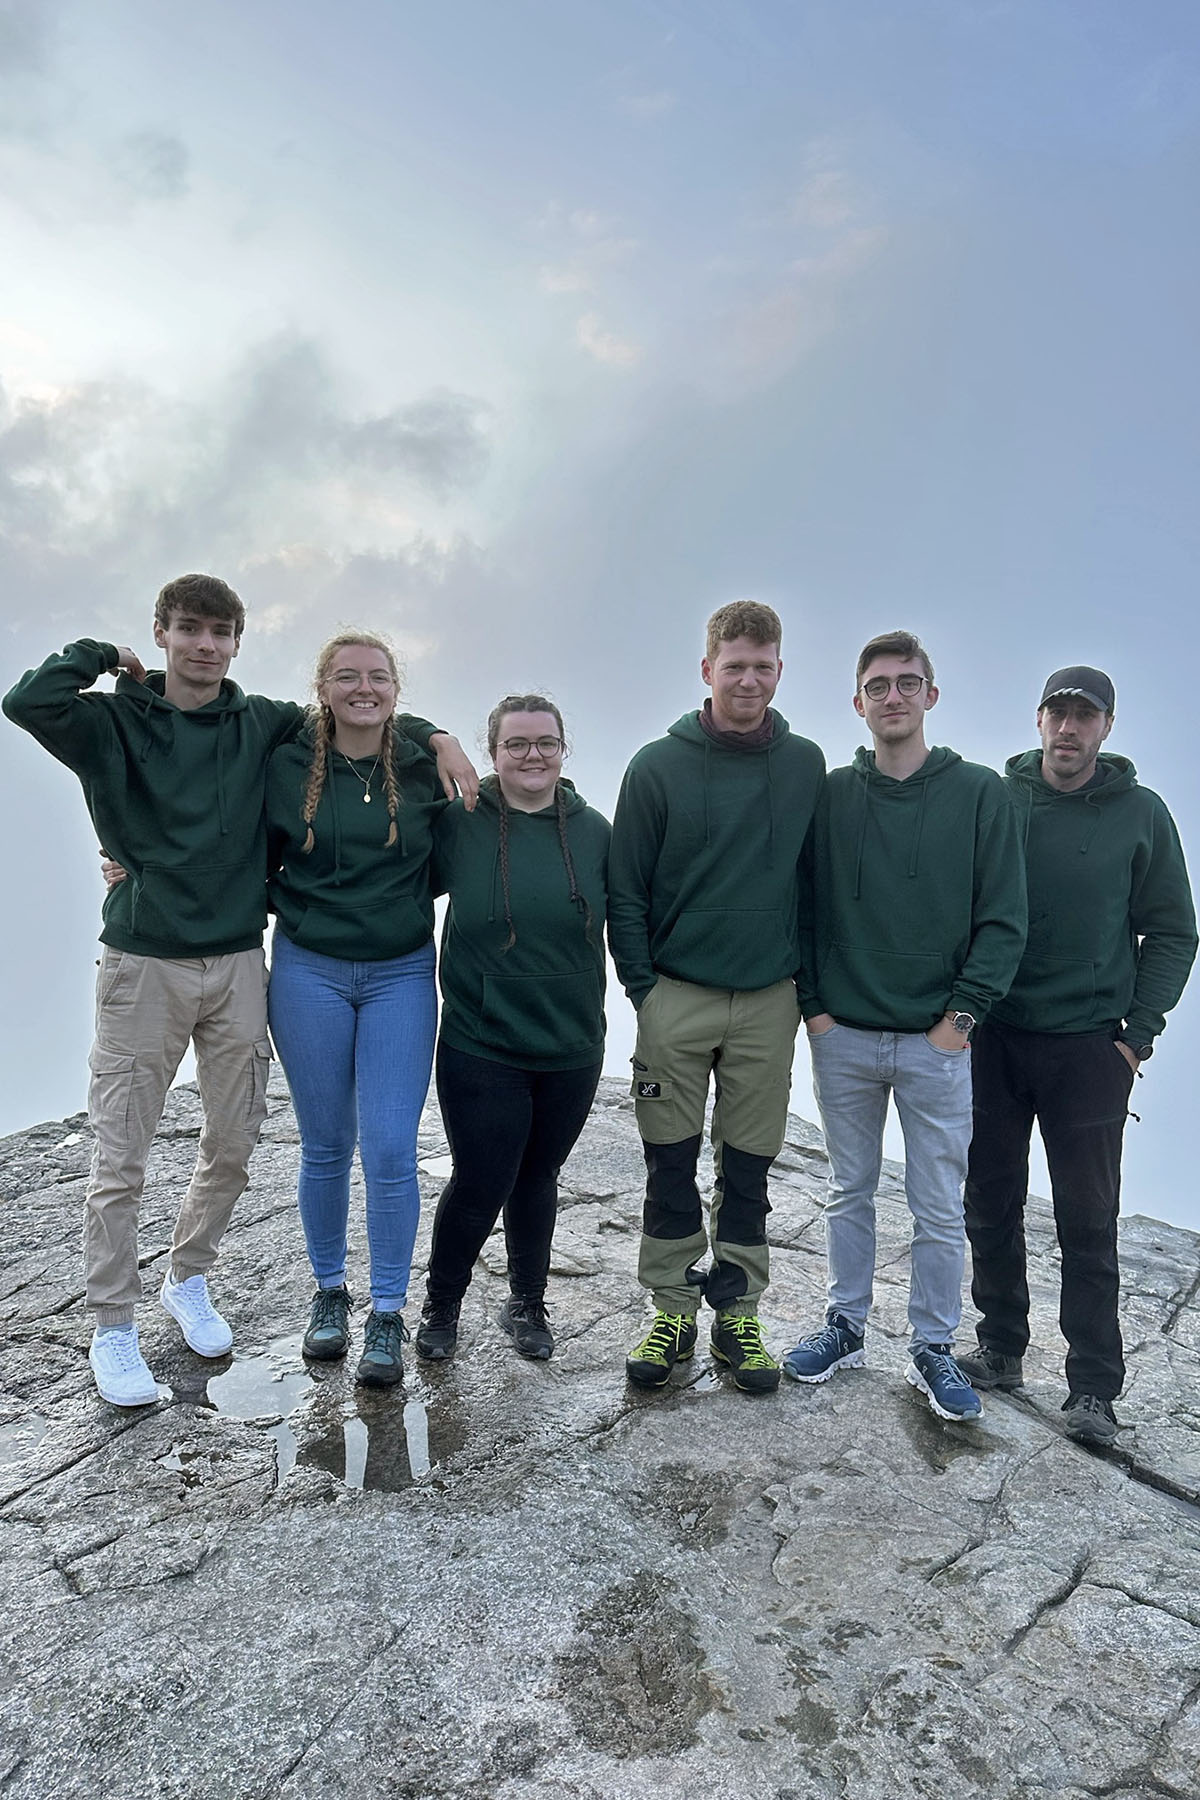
point(743, 618)
point(203, 594)
point(893, 643)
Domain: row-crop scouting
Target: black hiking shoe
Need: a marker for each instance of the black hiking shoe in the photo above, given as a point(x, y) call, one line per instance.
point(1090, 1420)
point(328, 1334)
point(987, 1368)
point(381, 1364)
point(737, 1340)
point(437, 1334)
point(527, 1325)
point(671, 1339)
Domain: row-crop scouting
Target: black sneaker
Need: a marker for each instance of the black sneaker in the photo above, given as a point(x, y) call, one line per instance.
point(328, 1334)
point(671, 1339)
point(437, 1334)
point(381, 1364)
point(987, 1368)
point(737, 1340)
point(527, 1325)
point(1090, 1420)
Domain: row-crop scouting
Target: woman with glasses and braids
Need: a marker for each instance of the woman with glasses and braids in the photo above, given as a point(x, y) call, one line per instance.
point(351, 811)
point(522, 1032)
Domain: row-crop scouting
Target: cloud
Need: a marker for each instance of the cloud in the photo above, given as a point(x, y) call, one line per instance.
point(770, 333)
point(153, 165)
point(827, 198)
point(649, 106)
point(584, 271)
point(604, 345)
point(108, 484)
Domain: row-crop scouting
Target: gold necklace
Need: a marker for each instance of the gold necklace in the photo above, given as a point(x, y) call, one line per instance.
point(358, 777)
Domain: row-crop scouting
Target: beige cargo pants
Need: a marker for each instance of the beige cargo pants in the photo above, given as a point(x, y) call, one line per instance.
point(148, 1009)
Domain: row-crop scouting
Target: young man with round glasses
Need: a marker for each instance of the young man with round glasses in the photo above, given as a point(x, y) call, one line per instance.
point(920, 923)
point(1112, 937)
point(709, 925)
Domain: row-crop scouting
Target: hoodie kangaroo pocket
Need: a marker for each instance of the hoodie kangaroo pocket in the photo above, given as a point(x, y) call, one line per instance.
point(885, 986)
point(543, 1015)
point(198, 903)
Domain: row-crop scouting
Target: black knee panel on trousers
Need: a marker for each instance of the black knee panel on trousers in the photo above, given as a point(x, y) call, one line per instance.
point(672, 1207)
point(742, 1218)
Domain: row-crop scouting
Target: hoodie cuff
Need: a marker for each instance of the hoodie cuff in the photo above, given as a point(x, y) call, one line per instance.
point(968, 1003)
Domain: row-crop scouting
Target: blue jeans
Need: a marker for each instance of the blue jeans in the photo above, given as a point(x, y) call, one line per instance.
point(356, 1043)
point(853, 1074)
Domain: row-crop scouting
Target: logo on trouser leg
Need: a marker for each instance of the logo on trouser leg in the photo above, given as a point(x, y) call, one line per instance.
point(649, 1090)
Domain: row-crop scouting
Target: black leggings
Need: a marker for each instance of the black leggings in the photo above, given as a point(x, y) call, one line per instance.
point(510, 1131)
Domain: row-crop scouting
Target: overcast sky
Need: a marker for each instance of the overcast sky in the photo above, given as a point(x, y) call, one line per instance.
point(533, 332)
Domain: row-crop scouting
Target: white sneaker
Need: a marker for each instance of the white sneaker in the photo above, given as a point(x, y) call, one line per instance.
point(202, 1325)
point(120, 1368)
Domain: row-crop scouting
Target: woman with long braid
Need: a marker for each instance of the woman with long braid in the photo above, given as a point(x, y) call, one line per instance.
point(522, 1033)
point(351, 809)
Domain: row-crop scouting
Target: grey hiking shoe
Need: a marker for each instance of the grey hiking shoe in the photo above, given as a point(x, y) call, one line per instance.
point(381, 1363)
point(328, 1334)
point(987, 1368)
point(1090, 1420)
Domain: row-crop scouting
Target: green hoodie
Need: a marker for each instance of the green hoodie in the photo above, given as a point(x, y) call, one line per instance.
point(352, 895)
point(705, 880)
point(1112, 937)
point(540, 1003)
point(920, 894)
point(176, 796)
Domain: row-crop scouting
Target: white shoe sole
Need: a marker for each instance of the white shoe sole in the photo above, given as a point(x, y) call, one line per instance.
point(914, 1378)
point(856, 1360)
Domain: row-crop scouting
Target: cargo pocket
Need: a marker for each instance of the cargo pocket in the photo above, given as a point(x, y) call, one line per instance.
point(260, 1069)
point(109, 1092)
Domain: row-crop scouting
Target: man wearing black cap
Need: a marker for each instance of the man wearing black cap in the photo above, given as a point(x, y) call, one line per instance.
point(1112, 937)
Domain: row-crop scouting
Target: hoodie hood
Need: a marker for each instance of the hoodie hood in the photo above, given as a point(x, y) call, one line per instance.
point(489, 796)
point(1084, 806)
point(877, 789)
point(160, 717)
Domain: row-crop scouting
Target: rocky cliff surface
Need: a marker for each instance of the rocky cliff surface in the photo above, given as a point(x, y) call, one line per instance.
point(523, 1581)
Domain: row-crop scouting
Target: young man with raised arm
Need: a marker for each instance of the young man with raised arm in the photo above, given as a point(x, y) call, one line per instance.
point(1112, 937)
point(920, 923)
point(173, 768)
point(708, 913)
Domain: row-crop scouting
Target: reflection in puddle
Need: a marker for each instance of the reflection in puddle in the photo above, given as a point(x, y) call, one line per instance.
point(19, 1438)
point(265, 1386)
point(373, 1441)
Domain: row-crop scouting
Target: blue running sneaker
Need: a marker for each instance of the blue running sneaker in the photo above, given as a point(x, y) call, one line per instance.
point(836, 1346)
point(934, 1371)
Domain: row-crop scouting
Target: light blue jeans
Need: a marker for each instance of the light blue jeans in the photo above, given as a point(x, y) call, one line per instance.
point(356, 1043)
point(853, 1074)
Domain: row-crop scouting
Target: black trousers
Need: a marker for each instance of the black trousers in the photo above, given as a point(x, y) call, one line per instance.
point(1077, 1087)
point(510, 1131)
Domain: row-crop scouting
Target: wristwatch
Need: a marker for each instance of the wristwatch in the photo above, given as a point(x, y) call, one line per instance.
point(962, 1022)
point(1143, 1052)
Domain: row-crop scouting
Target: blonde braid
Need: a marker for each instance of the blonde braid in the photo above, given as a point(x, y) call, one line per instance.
point(321, 717)
point(391, 786)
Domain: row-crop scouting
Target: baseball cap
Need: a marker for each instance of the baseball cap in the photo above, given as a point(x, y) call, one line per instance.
point(1086, 684)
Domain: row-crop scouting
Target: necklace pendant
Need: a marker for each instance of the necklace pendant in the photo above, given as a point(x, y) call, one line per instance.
point(366, 799)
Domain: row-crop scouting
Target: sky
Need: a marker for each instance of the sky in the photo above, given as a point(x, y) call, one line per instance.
point(532, 333)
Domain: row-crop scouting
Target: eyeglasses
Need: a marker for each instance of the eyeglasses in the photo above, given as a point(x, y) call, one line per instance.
point(519, 748)
point(880, 686)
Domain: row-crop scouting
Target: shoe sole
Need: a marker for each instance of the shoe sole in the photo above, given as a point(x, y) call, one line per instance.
point(324, 1352)
point(653, 1379)
point(856, 1360)
point(914, 1378)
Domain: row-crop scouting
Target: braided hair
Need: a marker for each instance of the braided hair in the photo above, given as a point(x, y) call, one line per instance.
point(321, 723)
point(512, 703)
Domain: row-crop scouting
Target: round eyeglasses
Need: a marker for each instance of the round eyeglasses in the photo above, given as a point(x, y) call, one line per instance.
point(880, 686)
point(519, 748)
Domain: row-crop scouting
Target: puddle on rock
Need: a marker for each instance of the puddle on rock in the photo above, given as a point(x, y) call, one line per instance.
point(18, 1439)
point(264, 1387)
point(374, 1441)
